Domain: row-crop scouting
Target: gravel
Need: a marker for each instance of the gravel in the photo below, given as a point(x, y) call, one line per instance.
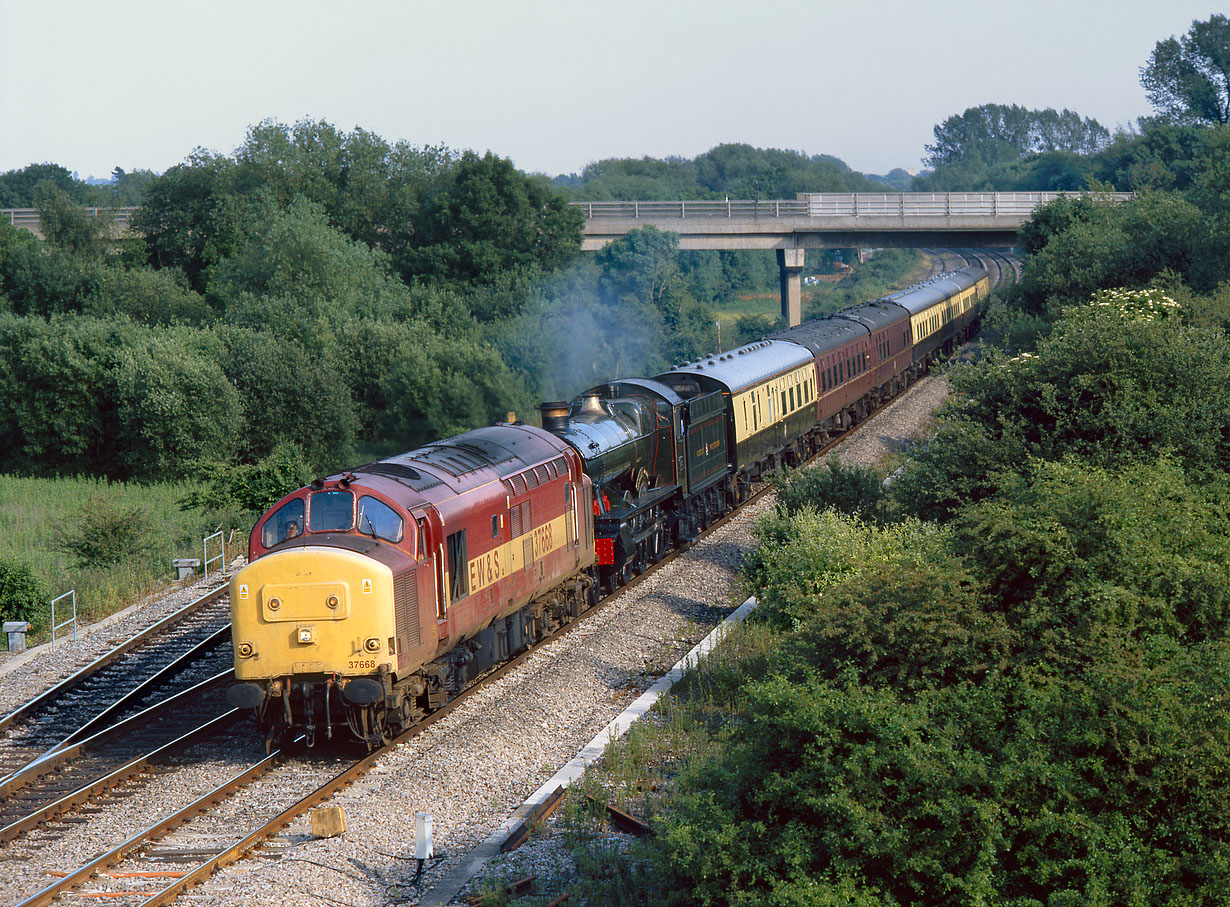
point(469, 770)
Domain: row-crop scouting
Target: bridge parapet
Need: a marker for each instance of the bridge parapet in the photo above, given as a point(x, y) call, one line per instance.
point(844, 204)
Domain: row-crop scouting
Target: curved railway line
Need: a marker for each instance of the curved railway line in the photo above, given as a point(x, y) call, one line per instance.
point(151, 739)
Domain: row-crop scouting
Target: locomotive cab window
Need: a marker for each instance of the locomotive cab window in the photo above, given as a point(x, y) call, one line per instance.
point(285, 524)
point(332, 511)
point(379, 519)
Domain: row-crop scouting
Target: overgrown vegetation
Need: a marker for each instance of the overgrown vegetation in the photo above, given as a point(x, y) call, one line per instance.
point(1024, 700)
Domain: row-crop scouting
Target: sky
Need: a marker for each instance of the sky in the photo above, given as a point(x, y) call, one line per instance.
point(557, 84)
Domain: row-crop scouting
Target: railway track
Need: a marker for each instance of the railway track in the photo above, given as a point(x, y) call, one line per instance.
point(74, 776)
point(206, 829)
point(167, 657)
point(209, 822)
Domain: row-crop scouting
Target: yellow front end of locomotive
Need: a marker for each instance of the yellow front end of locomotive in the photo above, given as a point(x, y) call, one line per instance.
point(312, 610)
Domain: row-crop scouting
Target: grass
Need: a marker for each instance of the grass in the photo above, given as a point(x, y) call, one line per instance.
point(36, 514)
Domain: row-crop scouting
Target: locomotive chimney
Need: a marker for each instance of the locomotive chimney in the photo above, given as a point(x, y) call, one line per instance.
point(554, 416)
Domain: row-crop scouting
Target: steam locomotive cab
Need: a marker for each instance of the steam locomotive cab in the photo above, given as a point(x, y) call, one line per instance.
point(630, 435)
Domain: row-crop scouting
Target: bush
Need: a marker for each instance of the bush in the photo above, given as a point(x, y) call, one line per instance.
point(913, 622)
point(801, 558)
point(105, 531)
point(1117, 380)
point(20, 592)
point(237, 495)
point(853, 490)
point(1073, 550)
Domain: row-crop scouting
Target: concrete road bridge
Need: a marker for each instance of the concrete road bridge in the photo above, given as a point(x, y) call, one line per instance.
point(827, 220)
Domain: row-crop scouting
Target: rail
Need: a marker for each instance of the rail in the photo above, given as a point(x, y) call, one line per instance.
point(846, 204)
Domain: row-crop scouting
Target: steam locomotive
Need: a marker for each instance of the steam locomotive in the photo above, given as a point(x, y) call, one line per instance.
point(373, 596)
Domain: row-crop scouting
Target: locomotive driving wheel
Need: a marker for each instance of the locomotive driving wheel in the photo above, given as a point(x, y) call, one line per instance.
point(642, 483)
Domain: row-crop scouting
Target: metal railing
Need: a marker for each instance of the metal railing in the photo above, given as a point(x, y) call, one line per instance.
point(846, 204)
point(220, 557)
point(72, 620)
point(681, 209)
point(938, 204)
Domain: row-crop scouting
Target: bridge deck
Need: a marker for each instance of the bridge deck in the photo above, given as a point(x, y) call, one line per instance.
point(827, 219)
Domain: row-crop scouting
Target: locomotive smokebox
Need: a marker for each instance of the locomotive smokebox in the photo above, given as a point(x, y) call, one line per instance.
point(554, 416)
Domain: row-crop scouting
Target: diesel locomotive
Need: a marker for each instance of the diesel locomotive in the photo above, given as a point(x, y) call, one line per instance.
point(373, 596)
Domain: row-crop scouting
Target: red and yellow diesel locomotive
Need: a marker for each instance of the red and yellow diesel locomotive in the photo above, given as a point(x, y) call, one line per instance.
point(374, 595)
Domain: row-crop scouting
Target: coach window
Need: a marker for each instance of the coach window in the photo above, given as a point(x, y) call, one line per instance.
point(379, 519)
point(332, 511)
point(285, 524)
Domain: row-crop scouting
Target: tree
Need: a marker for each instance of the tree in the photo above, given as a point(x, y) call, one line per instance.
point(1187, 79)
point(81, 395)
point(1077, 247)
point(995, 133)
point(486, 218)
point(174, 408)
point(17, 187)
point(297, 274)
point(193, 217)
point(428, 387)
point(368, 189)
point(288, 395)
point(641, 265)
point(66, 226)
point(249, 489)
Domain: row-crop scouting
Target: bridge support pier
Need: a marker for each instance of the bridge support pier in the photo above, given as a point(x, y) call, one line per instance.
point(790, 263)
